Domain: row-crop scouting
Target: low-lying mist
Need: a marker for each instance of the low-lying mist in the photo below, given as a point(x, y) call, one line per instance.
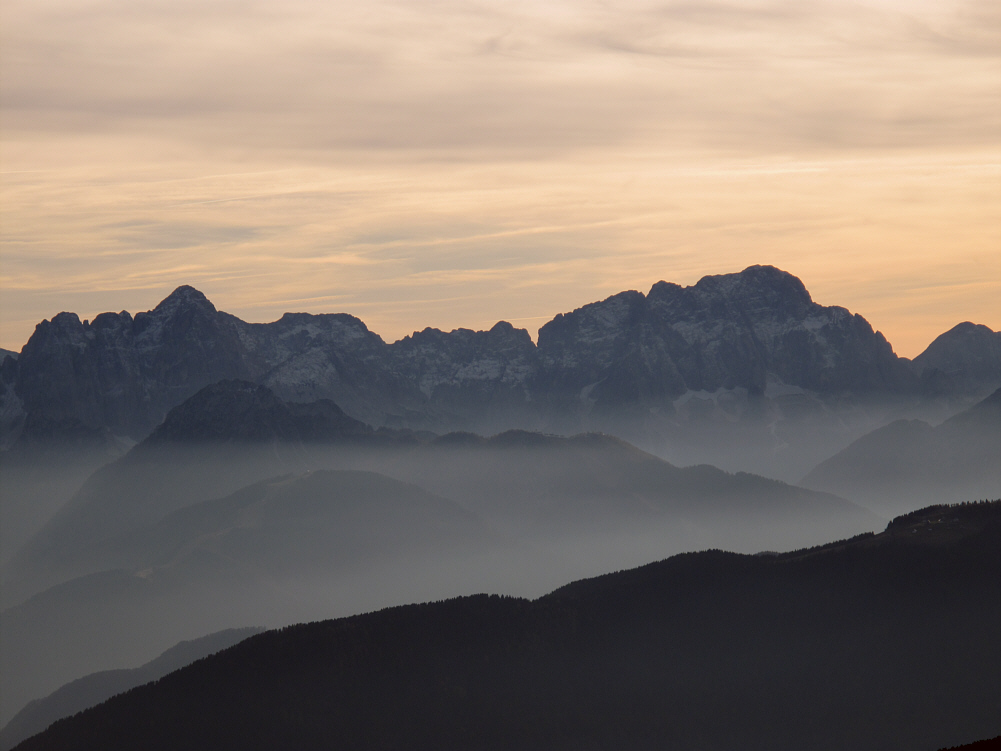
point(175, 541)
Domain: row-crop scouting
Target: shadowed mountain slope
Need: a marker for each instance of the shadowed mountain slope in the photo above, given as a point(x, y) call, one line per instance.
point(907, 463)
point(236, 411)
point(305, 526)
point(880, 642)
point(543, 484)
point(95, 688)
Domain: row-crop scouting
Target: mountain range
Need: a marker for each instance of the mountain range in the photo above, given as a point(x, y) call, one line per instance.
point(790, 380)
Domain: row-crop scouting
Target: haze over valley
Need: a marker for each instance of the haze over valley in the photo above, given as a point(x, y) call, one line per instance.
point(180, 472)
point(500, 375)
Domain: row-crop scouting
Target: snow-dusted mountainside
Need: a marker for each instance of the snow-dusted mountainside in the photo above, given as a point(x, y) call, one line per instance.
point(744, 333)
point(750, 350)
point(125, 373)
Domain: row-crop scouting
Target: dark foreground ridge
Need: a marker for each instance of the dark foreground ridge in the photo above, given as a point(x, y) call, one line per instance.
point(988, 744)
point(97, 687)
point(884, 641)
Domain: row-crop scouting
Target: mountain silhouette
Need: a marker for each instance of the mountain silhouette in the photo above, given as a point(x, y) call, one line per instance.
point(95, 688)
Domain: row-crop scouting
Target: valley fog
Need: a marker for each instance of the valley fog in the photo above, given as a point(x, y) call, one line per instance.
point(174, 542)
point(168, 477)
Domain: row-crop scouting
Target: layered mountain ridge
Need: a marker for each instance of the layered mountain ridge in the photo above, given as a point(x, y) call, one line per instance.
point(235, 433)
point(884, 641)
point(95, 688)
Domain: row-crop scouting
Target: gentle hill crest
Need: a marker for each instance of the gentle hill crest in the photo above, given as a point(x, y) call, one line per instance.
point(909, 463)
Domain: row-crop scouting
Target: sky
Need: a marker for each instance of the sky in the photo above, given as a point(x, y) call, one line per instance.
point(451, 163)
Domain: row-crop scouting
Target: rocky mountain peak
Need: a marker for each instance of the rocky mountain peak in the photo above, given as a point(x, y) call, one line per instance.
point(760, 280)
point(504, 331)
point(347, 326)
point(757, 292)
point(602, 321)
point(731, 331)
point(184, 296)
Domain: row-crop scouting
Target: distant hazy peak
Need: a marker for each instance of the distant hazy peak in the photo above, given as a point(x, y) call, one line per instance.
point(238, 410)
point(962, 343)
point(965, 360)
point(986, 413)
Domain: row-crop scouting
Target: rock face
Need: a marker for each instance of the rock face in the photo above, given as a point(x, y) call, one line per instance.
point(477, 380)
point(748, 348)
point(124, 373)
point(733, 332)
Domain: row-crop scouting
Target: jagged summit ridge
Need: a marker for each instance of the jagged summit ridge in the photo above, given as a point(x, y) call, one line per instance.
point(632, 362)
point(726, 332)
